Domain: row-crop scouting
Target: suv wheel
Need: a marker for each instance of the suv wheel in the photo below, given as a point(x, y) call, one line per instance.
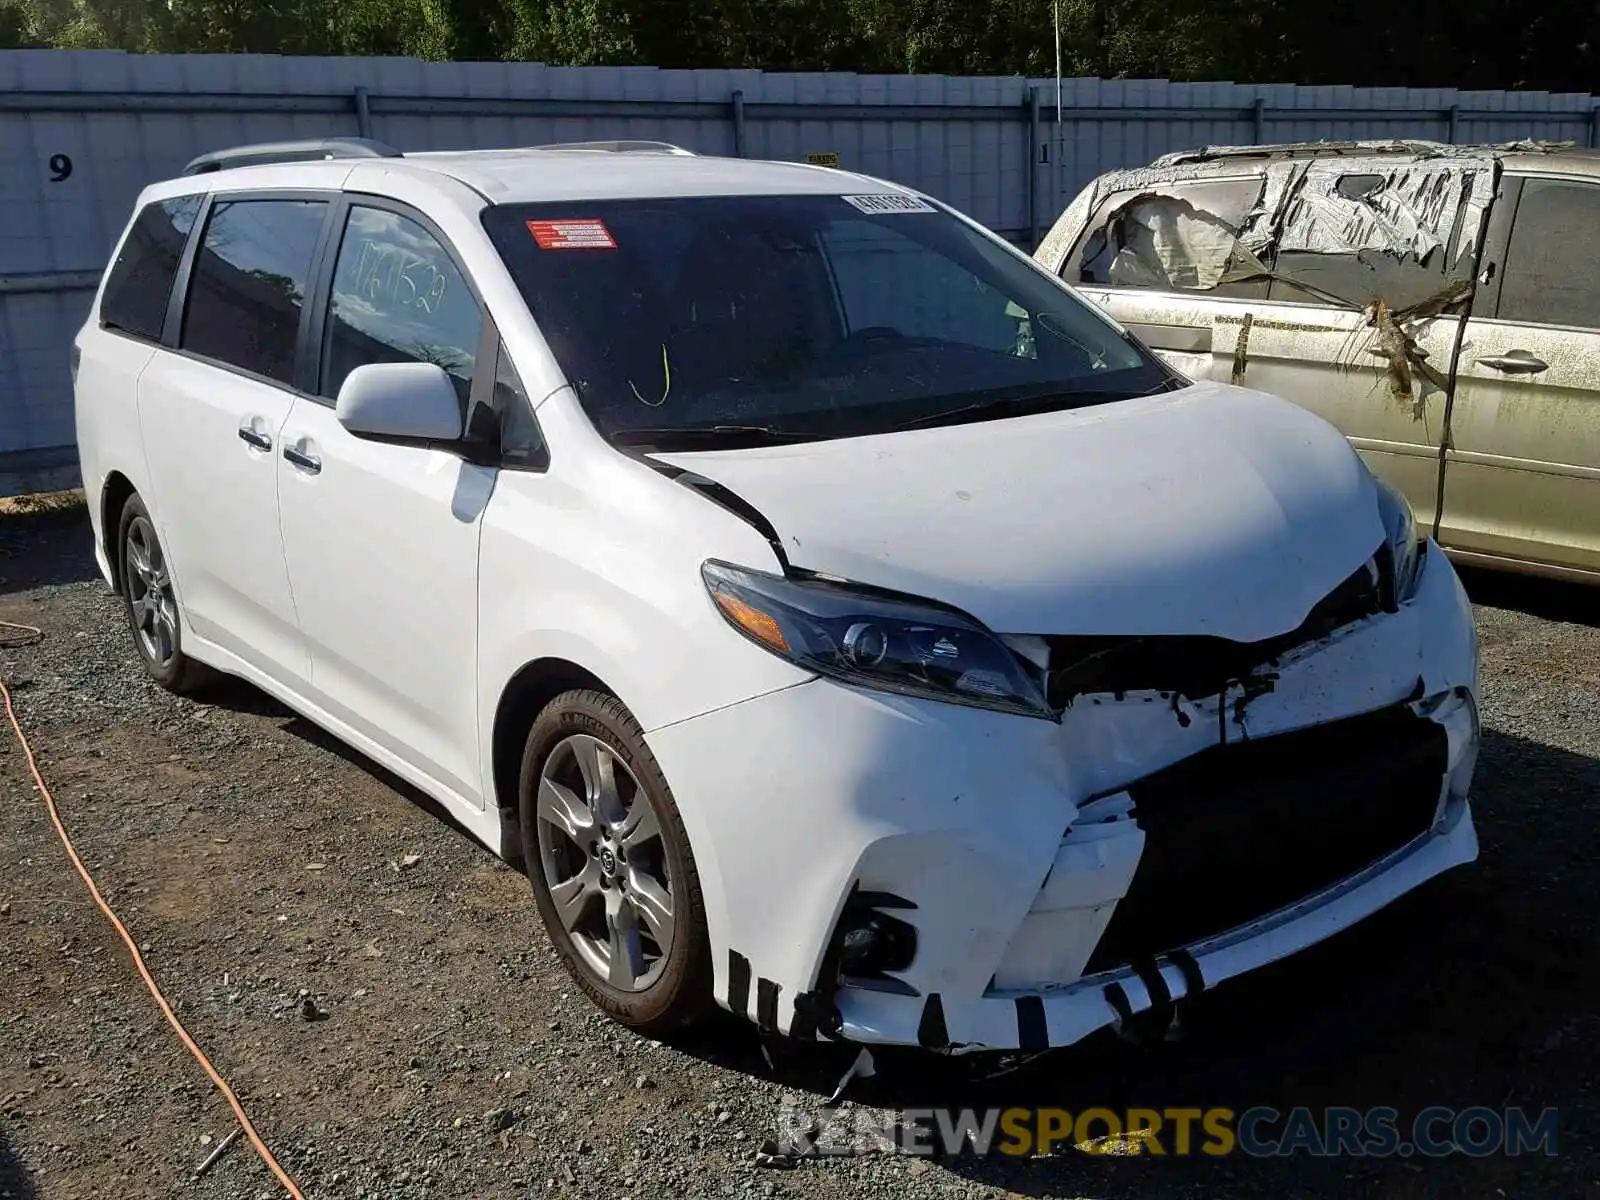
point(151, 602)
point(610, 864)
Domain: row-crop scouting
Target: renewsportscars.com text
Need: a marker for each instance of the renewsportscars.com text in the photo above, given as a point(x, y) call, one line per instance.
point(1260, 1132)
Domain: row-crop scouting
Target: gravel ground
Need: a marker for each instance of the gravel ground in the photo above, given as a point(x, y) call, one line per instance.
point(270, 875)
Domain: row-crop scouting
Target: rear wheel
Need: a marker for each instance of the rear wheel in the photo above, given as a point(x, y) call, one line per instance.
point(610, 864)
point(151, 601)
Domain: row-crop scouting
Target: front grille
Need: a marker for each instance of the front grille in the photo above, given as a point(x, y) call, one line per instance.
point(1241, 830)
point(1196, 666)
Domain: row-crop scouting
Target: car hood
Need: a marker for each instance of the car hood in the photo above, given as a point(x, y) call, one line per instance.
point(1211, 510)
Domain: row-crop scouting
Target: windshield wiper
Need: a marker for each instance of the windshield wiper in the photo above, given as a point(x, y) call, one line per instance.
point(1051, 400)
point(1013, 406)
point(744, 435)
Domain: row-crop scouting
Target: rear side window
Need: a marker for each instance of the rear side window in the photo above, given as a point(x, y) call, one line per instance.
point(249, 284)
point(1172, 237)
point(140, 283)
point(397, 297)
point(1354, 236)
point(1546, 280)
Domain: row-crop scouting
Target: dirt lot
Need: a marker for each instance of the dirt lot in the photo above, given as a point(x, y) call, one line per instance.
point(261, 865)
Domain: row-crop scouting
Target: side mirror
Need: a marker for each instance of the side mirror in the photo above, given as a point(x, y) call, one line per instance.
point(409, 401)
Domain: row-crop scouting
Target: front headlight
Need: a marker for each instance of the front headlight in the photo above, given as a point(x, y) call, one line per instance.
point(888, 643)
point(1405, 544)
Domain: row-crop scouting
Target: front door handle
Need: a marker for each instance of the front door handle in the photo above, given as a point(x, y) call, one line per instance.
point(306, 462)
point(255, 437)
point(1514, 362)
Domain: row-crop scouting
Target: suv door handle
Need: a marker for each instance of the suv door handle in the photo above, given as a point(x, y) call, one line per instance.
point(306, 462)
point(1514, 362)
point(255, 437)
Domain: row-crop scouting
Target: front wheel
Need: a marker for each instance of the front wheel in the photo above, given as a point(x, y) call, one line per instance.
point(610, 864)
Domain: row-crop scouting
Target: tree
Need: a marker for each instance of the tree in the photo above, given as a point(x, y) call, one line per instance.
point(14, 28)
point(1478, 44)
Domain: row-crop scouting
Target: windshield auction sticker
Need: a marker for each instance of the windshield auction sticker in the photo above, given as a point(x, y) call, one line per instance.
point(887, 203)
point(576, 234)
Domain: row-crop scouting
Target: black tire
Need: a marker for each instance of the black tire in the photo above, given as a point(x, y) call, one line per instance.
point(159, 642)
point(677, 985)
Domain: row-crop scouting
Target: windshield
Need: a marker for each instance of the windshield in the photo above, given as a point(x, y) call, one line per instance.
point(727, 319)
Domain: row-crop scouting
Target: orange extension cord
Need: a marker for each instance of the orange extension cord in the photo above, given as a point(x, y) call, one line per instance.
point(31, 635)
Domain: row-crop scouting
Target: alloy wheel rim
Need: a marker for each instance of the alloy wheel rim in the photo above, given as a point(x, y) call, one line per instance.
point(150, 594)
point(605, 864)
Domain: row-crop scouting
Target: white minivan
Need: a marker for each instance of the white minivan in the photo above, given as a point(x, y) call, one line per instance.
point(846, 623)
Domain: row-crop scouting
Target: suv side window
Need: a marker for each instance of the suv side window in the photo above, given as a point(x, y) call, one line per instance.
point(1173, 237)
point(1546, 281)
point(249, 284)
point(398, 297)
point(140, 282)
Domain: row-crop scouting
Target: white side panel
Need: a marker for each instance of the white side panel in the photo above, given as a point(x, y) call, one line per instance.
point(107, 419)
point(597, 562)
point(382, 546)
point(214, 497)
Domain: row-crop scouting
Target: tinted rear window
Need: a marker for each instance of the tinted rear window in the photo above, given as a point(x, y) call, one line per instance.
point(140, 283)
point(249, 284)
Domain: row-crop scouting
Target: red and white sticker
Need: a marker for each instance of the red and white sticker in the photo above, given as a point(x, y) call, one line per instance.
point(583, 233)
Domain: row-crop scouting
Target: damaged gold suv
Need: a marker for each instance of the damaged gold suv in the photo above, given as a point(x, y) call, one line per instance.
point(1439, 304)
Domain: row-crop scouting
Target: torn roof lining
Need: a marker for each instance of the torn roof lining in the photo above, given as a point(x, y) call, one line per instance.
point(1209, 162)
point(1401, 215)
point(1421, 205)
point(1413, 210)
point(1418, 208)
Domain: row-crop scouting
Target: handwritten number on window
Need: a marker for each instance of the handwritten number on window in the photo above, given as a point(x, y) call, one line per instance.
point(391, 275)
point(60, 167)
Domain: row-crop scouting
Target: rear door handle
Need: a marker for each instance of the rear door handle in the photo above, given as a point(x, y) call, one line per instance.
point(1514, 362)
point(255, 437)
point(306, 462)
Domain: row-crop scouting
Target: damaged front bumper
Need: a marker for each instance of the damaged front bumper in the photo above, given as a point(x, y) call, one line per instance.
point(1038, 881)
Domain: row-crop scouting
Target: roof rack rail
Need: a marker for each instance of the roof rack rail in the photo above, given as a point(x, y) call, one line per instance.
point(1331, 148)
point(621, 146)
point(309, 150)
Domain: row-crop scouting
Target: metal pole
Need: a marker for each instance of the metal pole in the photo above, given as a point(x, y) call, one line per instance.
point(1594, 126)
point(1033, 167)
point(1058, 196)
point(738, 124)
point(363, 113)
point(1056, 10)
point(1455, 123)
point(1261, 121)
